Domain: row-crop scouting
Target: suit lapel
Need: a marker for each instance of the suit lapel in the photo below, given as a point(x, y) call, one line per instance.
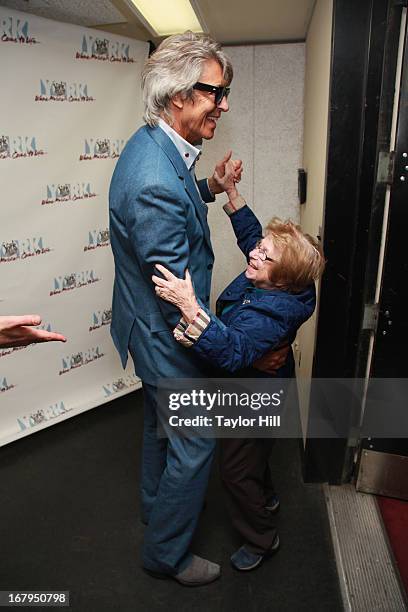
point(161, 138)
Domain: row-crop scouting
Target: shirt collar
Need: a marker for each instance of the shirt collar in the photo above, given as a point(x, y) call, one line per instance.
point(188, 152)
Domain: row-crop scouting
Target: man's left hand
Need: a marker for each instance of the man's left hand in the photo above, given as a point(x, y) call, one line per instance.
point(271, 361)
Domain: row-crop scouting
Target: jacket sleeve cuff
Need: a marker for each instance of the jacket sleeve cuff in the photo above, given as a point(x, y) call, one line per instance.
point(209, 190)
point(205, 191)
point(188, 334)
point(233, 205)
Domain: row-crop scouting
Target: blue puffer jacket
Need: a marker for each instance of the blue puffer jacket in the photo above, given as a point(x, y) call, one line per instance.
point(252, 321)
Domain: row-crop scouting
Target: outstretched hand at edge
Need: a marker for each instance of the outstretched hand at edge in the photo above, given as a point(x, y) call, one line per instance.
point(21, 331)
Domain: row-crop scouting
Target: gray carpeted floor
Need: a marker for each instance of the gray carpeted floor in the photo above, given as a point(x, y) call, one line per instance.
point(69, 520)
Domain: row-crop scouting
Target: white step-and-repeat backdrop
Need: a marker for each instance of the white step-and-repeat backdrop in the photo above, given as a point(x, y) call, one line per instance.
point(70, 98)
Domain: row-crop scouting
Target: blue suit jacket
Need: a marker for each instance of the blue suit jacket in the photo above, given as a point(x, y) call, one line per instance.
point(156, 216)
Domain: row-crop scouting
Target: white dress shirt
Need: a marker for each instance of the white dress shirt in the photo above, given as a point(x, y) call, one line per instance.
point(188, 152)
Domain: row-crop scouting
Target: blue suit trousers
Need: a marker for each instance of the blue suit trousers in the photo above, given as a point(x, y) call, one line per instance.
point(175, 474)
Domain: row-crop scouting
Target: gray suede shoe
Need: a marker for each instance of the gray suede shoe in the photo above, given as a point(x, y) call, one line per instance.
point(199, 572)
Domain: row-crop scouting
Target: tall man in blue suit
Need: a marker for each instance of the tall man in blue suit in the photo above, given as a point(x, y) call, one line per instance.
point(158, 214)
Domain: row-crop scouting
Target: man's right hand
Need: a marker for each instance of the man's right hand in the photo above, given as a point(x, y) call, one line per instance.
point(271, 361)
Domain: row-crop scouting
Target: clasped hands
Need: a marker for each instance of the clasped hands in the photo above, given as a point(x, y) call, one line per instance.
point(227, 172)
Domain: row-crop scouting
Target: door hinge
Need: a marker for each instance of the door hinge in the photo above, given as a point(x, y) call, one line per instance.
point(386, 167)
point(370, 319)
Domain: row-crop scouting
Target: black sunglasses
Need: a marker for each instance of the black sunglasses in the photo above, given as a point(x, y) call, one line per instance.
point(219, 92)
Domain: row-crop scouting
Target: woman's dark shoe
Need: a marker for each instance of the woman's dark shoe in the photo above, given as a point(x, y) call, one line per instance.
point(245, 561)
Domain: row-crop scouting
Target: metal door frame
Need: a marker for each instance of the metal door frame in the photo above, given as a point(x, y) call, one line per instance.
point(364, 61)
point(382, 465)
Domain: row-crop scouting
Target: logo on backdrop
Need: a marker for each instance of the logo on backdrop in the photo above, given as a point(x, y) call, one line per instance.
point(125, 382)
point(104, 50)
point(21, 249)
point(82, 358)
point(5, 385)
point(42, 416)
point(100, 318)
point(102, 148)
point(68, 192)
point(74, 280)
point(96, 239)
point(62, 91)
point(13, 147)
point(13, 29)
point(14, 349)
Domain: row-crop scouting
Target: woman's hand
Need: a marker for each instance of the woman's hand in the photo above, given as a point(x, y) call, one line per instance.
point(177, 291)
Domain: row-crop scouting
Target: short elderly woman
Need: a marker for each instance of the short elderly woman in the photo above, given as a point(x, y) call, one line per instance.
point(259, 312)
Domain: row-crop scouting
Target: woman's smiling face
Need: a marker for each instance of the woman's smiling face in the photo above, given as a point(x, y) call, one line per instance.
point(258, 267)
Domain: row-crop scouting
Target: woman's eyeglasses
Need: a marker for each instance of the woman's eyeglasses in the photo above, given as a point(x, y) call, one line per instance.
point(262, 253)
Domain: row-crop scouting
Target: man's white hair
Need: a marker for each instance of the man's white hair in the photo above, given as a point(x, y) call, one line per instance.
point(174, 68)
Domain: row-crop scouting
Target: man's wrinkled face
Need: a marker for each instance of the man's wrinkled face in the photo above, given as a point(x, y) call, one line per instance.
point(199, 116)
